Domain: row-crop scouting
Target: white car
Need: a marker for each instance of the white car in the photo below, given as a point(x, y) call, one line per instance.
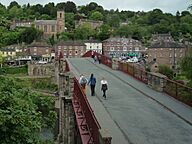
point(41, 62)
point(133, 60)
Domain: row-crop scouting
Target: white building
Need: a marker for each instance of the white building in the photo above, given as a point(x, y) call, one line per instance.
point(93, 45)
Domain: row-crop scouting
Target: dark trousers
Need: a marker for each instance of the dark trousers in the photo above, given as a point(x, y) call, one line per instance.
point(92, 90)
point(104, 93)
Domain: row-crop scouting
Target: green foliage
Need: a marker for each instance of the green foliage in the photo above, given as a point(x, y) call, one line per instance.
point(14, 70)
point(140, 25)
point(104, 32)
point(165, 70)
point(84, 32)
point(29, 34)
point(44, 84)
point(69, 21)
point(186, 66)
point(22, 113)
point(96, 16)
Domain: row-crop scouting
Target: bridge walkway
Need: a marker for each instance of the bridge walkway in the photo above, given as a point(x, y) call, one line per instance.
point(134, 113)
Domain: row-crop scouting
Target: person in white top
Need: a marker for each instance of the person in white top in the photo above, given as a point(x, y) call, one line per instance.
point(83, 82)
point(104, 86)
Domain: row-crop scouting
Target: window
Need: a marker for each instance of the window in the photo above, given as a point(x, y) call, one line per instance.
point(124, 48)
point(53, 28)
point(137, 49)
point(170, 55)
point(45, 28)
point(60, 15)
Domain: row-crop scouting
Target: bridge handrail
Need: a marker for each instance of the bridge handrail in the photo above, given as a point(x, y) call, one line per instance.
point(104, 59)
point(90, 119)
point(172, 88)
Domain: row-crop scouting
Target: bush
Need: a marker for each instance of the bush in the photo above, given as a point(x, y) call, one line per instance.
point(14, 70)
point(165, 70)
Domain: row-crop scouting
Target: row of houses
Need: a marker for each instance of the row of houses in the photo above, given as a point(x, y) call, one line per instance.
point(163, 49)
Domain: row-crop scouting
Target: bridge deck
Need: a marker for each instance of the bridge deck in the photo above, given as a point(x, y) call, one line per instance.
point(134, 113)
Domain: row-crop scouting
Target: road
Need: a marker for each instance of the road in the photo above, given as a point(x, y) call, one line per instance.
point(133, 113)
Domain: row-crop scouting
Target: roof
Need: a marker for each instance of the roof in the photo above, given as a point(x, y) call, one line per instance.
point(45, 22)
point(39, 44)
point(166, 44)
point(92, 41)
point(71, 43)
point(7, 49)
point(115, 39)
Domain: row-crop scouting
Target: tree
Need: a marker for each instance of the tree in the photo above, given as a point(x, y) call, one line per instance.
point(104, 32)
point(23, 113)
point(84, 32)
point(70, 7)
point(165, 70)
point(29, 34)
point(96, 16)
point(15, 12)
point(113, 20)
point(1, 60)
point(69, 21)
point(12, 4)
point(186, 66)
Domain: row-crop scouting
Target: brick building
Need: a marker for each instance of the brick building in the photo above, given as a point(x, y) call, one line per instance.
point(69, 49)
point(49, 27)
point(165, 51)
point(40, 51)
point(116, 47)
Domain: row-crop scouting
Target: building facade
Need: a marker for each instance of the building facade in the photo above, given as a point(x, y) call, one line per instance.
point(117, 47)
point(70, 49)
point(48, 27)
point(8, 52)
point(40, 51)
point(93, 45)
point(165, 51)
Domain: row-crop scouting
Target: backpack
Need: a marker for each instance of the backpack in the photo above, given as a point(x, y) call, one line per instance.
point(104, 87)
point(83, 81)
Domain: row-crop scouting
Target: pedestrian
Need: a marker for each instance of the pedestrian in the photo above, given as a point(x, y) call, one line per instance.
point(83, 82)
point(92, 82)
point(99, 59)
point(95, 59)
point(104, 87)
point(92, 54)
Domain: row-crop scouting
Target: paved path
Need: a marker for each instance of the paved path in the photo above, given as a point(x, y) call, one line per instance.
point(133, 113)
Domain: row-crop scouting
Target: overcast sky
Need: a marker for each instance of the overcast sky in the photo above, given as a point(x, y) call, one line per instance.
point(168, 6)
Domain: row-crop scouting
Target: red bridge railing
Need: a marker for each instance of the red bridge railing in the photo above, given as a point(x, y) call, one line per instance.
point(104, 59)
point(173, 88)
point(87, 123)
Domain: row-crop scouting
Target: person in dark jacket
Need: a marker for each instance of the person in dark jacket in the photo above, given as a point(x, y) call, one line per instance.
point(104, 86)
point(92, 83)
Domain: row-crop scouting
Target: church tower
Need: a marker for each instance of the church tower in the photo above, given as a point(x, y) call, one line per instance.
point(60, 21)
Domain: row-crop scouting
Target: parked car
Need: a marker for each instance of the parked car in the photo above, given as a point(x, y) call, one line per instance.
point(42, 62)
point(133, 60)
